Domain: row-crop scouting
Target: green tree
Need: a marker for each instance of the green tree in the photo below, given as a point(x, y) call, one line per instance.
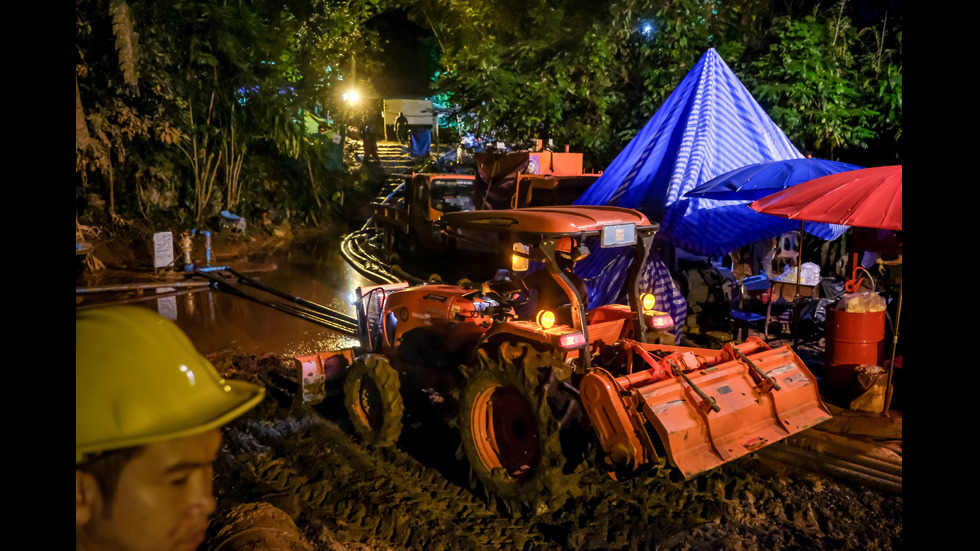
point(882, 60)
point(666, 39)
point(592, 74)
point(584, 73)
point(180, 103)
point(520, 70)
point(191, 105)
point(811, 81)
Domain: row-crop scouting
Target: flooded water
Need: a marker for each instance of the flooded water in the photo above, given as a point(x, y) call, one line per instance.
point(219, 321)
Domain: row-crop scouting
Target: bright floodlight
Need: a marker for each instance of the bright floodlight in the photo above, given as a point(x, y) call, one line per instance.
point(648, 28)
point(352, 96)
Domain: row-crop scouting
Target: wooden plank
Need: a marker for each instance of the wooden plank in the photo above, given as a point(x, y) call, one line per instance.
point(835, 468)
point(867, 454)
point(870, 425)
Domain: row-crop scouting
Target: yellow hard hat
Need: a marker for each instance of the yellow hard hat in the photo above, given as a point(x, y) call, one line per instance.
point(138, 380)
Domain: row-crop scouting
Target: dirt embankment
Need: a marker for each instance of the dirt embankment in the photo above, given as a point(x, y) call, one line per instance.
point(130, 250)
point(346, 495)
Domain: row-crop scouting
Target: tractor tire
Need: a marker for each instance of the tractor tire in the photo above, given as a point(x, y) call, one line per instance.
point(372, 396)
point(509, 434)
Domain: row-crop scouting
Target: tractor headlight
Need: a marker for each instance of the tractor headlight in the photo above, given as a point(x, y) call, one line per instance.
point(546, 319)
point(647, 301)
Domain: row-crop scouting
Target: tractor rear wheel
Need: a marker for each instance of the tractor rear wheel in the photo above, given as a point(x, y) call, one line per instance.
point(509, 435)
point(372, 396)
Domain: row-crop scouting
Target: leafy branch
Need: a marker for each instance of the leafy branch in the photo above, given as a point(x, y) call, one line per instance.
point(204, 166)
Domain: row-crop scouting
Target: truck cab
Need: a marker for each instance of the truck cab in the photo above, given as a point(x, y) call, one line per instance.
point(407, 218)
point(503, 181)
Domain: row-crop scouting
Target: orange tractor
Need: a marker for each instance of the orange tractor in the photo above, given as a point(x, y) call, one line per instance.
point(520, 360)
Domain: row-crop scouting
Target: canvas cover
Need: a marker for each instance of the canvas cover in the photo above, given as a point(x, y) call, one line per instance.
point(496, 178)
point(419, 142)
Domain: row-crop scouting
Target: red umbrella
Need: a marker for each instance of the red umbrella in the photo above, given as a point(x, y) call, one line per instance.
point(869, 198)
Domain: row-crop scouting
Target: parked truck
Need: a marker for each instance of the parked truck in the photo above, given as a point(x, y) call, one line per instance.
point(405, 224)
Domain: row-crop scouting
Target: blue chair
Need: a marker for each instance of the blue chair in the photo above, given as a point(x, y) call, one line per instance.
point(741, 312)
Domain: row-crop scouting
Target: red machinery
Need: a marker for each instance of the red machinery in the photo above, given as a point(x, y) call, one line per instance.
point(511, 381)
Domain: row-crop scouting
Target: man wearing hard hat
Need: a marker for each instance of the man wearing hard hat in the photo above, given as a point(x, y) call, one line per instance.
point(148, 413)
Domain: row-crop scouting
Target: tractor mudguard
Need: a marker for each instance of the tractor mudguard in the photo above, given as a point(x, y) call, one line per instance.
point(706, 407)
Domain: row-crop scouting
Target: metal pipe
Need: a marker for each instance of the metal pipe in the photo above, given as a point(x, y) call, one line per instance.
point(301, 308)
point(186, 247)
point(319, 308)
point(315, 317)
point(142, 298)
point(836, 468)
point(207, 245)
point(138, 286)
point(768, 381)
point(644, 243)
point(891, 364)
point(708, 399)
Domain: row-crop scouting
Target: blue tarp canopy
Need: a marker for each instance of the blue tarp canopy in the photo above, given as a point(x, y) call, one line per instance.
point(708, 126)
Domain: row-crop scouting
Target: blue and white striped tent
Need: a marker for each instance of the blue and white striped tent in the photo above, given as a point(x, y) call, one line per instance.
point(708, 126)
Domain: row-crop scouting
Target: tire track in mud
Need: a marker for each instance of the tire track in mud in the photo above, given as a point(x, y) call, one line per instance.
point(348, 496)
point(358, 493)
point(386, 498)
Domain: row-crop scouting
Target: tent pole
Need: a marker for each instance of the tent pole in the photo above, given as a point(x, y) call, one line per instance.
point(796, 297)
point(891, 365)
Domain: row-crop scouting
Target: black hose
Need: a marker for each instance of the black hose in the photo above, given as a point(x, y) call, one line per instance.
point(298, 300)
point(361, 260)
point(319, 314)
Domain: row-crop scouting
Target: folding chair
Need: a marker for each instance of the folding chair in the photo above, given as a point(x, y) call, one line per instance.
point(749, 294)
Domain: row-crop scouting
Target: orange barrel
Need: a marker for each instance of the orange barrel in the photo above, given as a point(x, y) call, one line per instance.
point(852, 339)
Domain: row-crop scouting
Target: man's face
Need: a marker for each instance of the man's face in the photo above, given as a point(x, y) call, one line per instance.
point(163, 498)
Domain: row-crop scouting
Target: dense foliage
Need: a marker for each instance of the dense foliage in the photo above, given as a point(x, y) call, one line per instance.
point(591, 73)
point(187, 107)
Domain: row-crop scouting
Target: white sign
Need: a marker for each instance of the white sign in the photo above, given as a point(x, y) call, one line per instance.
point(163, 250)
point(167, 306)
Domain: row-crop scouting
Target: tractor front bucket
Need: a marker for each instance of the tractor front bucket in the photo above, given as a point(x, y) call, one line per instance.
point(315, 370)
point(708, 407)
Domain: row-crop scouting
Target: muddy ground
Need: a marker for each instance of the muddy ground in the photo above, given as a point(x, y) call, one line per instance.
point(343, 494)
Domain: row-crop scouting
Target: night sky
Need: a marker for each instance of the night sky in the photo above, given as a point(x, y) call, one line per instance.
point(408, 67)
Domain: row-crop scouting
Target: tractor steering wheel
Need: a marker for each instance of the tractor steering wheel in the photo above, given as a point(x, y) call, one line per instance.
point(507, 298)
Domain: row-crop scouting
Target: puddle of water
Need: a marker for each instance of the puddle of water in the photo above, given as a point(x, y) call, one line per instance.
point(219, 321)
